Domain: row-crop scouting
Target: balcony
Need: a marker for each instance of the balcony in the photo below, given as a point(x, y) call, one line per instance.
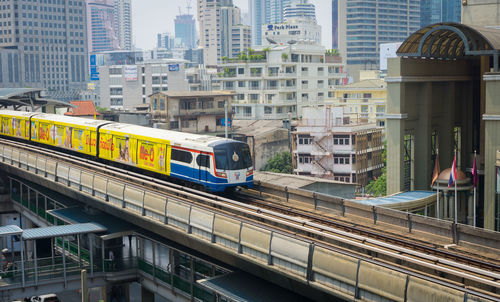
point(272, 87)
point(289, 87)
point(380, 114)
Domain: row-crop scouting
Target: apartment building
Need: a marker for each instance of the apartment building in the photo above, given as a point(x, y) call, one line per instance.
point(273, 81)
point(327, 145)
point(190, 111)
point(126, 86)
point(364, 100)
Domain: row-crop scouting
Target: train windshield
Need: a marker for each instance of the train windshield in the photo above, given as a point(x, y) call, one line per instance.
point(232, 156)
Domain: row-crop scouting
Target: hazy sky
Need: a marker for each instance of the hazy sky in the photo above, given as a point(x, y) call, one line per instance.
point(150, 17)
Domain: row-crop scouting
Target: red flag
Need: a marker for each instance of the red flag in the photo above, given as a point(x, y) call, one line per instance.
point(475, 176)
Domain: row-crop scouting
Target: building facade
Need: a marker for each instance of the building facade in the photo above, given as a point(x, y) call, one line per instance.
point(123, 23)
point(327, 145)
point(189, 111)
point(281, 79)
point(363, 25)
point(101, 34)
point(126, 86)
point(44, 45)
point(217, 19)
point(435, 11)
point(298, 29)
point(185, 31)
point(165, 41)
point(299, 9)
point(265, 12)
point(363, 101)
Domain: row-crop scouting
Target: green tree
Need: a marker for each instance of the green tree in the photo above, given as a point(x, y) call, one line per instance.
point(284, 56)
point(280, 163)
point(378, 186)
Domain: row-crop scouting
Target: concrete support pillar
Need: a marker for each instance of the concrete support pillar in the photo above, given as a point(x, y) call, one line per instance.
point(422, 141)
point(395, 137)
point(146, 295)
point(491, 120)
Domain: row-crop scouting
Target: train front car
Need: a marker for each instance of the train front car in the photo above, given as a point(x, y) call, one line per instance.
point(233, 162)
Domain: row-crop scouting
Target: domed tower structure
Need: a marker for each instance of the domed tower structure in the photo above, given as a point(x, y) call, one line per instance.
point(446, 199)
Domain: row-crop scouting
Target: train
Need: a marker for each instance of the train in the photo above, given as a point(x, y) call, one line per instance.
point(212, 163)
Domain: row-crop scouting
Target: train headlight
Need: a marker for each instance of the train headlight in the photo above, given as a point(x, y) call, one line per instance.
point(222, 174)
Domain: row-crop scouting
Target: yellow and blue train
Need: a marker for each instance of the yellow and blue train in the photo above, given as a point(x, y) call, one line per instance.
point(215, 163)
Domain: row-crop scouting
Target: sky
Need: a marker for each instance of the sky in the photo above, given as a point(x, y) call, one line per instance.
point(150, 17)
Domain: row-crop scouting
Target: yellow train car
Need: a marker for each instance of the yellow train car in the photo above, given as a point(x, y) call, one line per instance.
point(142, 147)
point(72, 133)
point(15, 123)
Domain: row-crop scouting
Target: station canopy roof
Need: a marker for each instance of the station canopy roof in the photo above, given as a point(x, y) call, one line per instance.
point(10, 230)
point(449, 40)
point(31, 97)
point(62, 230)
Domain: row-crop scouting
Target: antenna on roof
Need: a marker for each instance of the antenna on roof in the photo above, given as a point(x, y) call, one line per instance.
point(188, 6)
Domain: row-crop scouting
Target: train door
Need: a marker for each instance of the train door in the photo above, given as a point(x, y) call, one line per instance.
point(203, 163)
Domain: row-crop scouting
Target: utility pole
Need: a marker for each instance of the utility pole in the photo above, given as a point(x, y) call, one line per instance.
point(225, 117)
point(84, 289)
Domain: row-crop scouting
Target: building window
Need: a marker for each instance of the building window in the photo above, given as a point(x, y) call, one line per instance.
point(305, 159)
point(162, 104)
point(341, 139)
point(241, 96)
point(341, 160)
point(220, 104)
point(241, 83)
point(174, 125)
point(268, 110)
point(305, 140)
point(115, 91)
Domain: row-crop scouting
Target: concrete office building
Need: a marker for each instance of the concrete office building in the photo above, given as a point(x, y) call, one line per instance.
point(217, 20)
point(165, 41)
point(123, 23)
point(284, 80)
point(363, 25)
point(328, 145)
point(126, 86)
point(265, 12)
point(185, 31)
point(44, 45)
point(189, 111)
point(100, 26)
point(435, 11)
point(363, 101)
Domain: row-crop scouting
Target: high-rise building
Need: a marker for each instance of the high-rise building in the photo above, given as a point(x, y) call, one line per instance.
point(335, 24)
point(217, 21)
point(300, 9)
point(44, 46)
point(435, 11)
point(364, 25)
point(165, 41)
point(265, 12)
point(100, 26)
point(123, 23)
point(185, 31)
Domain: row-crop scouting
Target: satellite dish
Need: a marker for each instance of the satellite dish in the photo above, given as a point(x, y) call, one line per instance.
point(271, 41)
point(292, 42)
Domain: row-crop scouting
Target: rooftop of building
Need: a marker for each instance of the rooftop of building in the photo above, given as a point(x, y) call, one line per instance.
point(183, 94)
point(257, 128)
point(83, 108)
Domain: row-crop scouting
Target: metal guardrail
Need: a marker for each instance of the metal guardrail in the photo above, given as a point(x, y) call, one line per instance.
point(459, 234)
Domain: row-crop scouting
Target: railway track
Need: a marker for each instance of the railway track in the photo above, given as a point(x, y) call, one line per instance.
point(416, 257)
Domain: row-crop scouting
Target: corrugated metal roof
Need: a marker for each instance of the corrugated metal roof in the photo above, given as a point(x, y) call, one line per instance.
point(83, 108)
point(397, 198)
point(62, 230)
point(10, 230)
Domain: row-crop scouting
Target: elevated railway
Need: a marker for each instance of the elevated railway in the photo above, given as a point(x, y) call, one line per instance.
point(316, 248)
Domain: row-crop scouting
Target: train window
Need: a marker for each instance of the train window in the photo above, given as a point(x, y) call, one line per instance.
point(182, 156)
point(203, 160)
